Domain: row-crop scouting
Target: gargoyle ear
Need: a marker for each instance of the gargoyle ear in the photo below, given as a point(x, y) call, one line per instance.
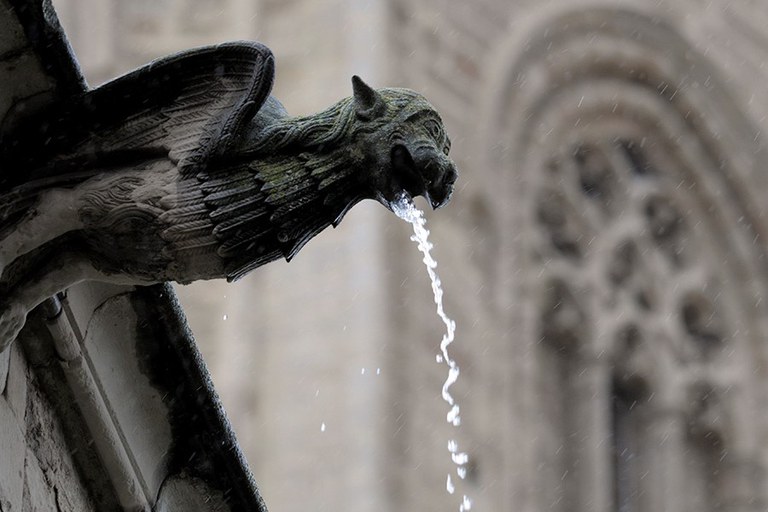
point(368, 103)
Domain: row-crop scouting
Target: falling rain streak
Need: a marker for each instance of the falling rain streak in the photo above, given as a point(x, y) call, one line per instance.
point(406, 210)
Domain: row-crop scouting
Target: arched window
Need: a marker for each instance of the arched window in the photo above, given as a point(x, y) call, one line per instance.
point(637, 255)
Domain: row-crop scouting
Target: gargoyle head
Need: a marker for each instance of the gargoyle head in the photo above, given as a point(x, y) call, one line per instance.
point(405, 144)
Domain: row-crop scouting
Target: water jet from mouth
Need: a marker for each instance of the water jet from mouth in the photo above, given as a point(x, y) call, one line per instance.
point(404, 208)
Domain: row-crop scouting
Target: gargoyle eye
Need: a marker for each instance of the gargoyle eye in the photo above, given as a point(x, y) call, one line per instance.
point(433, 128)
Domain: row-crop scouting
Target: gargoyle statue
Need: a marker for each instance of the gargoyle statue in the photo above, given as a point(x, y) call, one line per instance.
point(188, 169)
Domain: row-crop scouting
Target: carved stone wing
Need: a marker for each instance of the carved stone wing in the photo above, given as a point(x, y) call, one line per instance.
point(273, 209)
point(187, 106)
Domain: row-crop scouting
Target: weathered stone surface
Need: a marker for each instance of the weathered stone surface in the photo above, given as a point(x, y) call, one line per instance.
point(12, 37)
point(45, 441)
point(16, 60)
point(180, 493)
point(33, 82)
point(12, 448)
point(5, 360)
point(38, 494)
point(137, 409)
point(16, 388)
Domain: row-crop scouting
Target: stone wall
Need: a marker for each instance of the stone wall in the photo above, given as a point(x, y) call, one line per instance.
point(42, 475)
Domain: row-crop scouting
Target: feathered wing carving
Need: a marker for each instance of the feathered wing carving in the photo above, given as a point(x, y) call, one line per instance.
point(264, 210)
point(187, 106)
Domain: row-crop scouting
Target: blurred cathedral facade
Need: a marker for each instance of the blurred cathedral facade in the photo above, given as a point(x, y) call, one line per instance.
point(603, 257)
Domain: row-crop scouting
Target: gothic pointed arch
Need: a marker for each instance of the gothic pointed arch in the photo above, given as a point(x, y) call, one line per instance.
point(633, 193)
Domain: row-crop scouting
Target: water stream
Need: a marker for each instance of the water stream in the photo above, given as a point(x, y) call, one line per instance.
point(406, 210)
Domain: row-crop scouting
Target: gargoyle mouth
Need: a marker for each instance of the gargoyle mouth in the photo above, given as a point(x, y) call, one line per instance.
point(426, 175)
point(440, 190)
point(405, 176)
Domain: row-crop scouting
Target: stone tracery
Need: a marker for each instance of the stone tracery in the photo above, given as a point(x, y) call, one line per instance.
point(633, 274)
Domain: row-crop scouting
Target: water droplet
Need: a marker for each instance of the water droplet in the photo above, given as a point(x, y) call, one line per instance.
point(449, 485)
point(459, 458)
point(224, 317)
point(378, 371)
point(322, 427)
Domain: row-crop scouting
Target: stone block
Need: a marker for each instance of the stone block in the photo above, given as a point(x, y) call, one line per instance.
point(5, 358)
point(85, 298)
point(189, 494)
point(38, 494)
point(22, 77)
point(16, 387)
point(136, 407)
point(11, 34)
point(12, 448)
point(49, 452)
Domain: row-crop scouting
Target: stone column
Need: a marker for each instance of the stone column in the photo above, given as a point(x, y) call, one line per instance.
point(665, 443)
point(591, 480)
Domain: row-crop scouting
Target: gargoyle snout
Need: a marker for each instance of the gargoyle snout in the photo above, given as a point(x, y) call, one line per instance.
point(439, 174)
point(425, 172)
